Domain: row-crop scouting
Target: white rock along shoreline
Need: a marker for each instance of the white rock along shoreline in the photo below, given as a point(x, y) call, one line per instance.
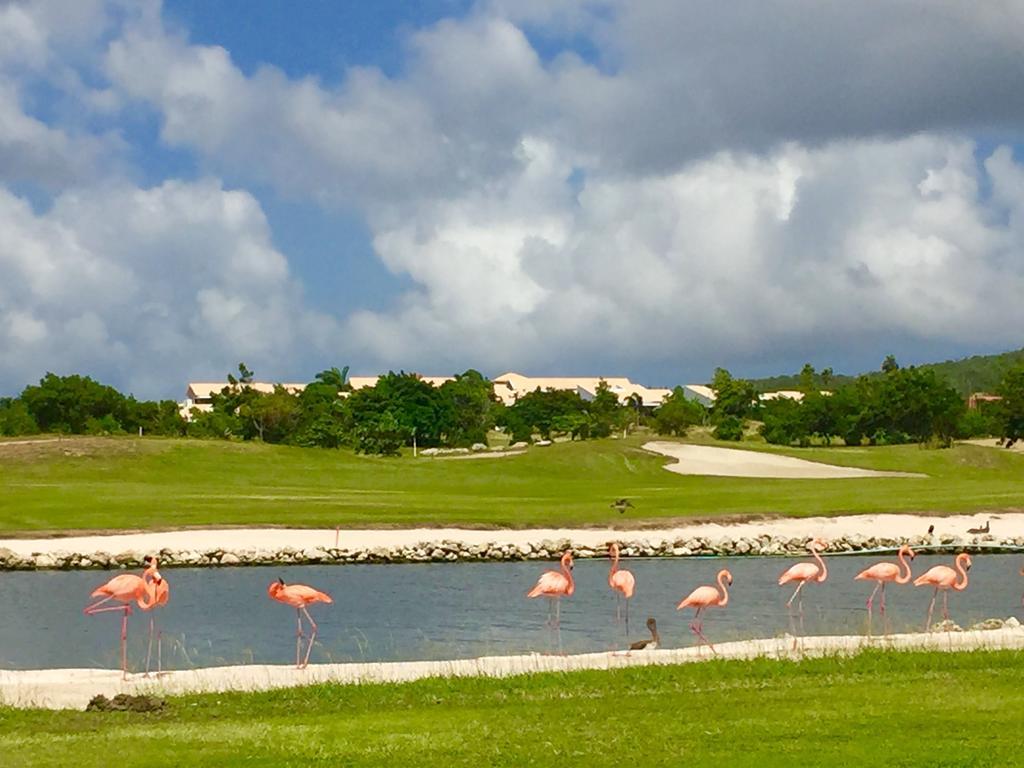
point(282, 546)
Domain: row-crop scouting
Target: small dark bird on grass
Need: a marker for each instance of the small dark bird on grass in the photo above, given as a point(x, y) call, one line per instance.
point(652, 643)
point(621, 504)
point(983, 529)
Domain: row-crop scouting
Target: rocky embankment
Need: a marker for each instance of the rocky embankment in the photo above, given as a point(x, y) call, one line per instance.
point(640, 544)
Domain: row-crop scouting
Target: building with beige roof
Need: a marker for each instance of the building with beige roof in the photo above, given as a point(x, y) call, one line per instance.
point(510, 386)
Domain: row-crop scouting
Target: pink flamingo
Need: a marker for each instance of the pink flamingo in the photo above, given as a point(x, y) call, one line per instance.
point(298, 596)
point(804, 573)
point(124, 588)
point(161, 594)
point(554, 585)
point(883, 573)
point(706, 597)
point(621, 581)
point(945, 578)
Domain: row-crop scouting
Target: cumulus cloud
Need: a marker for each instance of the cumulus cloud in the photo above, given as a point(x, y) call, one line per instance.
point(590, 184)
point(736, 252)
point(146, 286)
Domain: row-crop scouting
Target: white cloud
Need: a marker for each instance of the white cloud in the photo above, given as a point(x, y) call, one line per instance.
point(706, 183)
point(146, 286)
point(733, 253)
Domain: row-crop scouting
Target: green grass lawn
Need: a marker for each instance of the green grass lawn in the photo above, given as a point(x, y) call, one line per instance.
point(126, 483)
point(896, 709)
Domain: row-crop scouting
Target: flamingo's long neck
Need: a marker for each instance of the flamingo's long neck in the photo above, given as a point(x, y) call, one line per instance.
point(822, 570)
point(147, 599)
point(724, 599)
point(615, 563)
point(901, 579)
point(568, 575)
point(960, 586)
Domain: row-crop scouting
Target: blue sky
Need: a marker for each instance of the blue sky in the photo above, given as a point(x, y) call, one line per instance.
point(650, 188)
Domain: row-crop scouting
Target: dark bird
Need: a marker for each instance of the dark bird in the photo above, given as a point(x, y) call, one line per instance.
point(621, 504)
point(980, 530)
point(931, 529)
point(652, 643)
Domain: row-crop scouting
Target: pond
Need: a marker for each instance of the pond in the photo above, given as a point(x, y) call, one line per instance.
point(459, 610)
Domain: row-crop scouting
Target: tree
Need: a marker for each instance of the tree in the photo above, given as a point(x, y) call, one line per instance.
point(733, 397)
point(604, 410)
point(273, 417)
point(66, 403)
point(785, 422)
point(466, 409)
point(15, 418)
point(548, 411)
point(414, 404)
point(1011, 409)
point(729, 428)
point(381, 434)
point(807, 382)
point(677, 414)
point(324, 419)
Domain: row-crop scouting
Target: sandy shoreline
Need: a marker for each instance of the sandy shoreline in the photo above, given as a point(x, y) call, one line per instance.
point(900, 526)
point(73, 688)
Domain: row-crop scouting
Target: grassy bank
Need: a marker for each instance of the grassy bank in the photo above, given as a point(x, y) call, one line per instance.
point(899, 709)
point(124, 483)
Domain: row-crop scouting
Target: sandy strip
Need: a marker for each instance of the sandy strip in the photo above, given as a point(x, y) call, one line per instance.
point(733, 462)
point(73, 688)
point(1003, 525)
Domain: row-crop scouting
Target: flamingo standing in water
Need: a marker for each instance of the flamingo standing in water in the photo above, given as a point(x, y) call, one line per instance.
point(621, 581)
point(945, 578)
point(804, 573)
point(554, 585)
point(125, 588)
point(883, 573)
point(298, 596)
point(161, 594)
point(706, 597)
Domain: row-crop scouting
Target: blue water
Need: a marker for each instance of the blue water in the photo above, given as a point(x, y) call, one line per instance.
point(458, 610)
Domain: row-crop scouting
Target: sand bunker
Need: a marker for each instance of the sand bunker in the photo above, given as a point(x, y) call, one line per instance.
point(73, 688)
point(731, 462)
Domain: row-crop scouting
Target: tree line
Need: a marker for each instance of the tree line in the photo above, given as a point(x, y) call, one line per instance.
point(896, 405)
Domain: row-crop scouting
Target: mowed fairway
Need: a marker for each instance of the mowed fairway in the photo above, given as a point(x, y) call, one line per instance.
point(127, 483)
point(897, 709)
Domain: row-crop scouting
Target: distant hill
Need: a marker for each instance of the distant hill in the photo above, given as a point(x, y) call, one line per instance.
point(981, 373)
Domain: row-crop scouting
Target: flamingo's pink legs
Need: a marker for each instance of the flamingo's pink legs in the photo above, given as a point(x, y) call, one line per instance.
point(698, 629)
point(154, 629)
point(298, 638)
point(312, 638)
point(931, 607)
point(880, 585)
point(554, 602)
point(126, 610)
point(800, 609)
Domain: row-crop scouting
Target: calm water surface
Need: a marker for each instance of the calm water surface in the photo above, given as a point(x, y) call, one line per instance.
point(459, 610)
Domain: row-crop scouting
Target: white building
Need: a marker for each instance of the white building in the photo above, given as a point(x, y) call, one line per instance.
point(510, 386)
